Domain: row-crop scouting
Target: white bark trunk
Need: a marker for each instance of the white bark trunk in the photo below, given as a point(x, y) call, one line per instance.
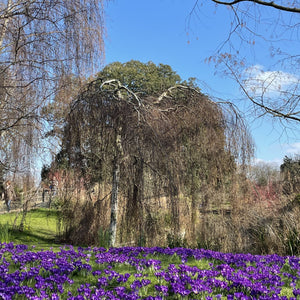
point(114, 203)
point(115, 190)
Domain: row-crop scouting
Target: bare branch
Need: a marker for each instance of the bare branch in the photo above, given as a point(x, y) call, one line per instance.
point(168, 92)
point(277, 98)
point(115, 82)
point(267, 109)
point(264, 3)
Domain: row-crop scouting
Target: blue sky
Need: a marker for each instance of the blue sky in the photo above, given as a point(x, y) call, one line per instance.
point(164, 31)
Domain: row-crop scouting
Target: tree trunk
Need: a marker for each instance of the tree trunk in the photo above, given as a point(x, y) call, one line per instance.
point(114, 203)
point(193, 216)
point(193, 205)
point(115, 189)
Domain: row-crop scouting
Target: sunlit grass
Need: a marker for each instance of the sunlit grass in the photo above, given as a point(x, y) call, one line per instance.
point(40, 228)
point(5, 235)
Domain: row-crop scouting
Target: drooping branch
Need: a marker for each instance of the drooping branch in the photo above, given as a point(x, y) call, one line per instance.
point(45, 47)
point(260, 2)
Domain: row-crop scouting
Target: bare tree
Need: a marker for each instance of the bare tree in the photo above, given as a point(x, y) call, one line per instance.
point(273, 25)
point(41, 43)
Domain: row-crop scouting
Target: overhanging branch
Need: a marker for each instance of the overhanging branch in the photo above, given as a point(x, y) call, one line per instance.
point(260, 2)
point(274, 112)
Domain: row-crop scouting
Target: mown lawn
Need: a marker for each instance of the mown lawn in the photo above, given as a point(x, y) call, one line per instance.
point(32, 266)
point(40, 228)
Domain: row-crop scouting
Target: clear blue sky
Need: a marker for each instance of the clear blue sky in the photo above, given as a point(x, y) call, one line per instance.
point(163, 31)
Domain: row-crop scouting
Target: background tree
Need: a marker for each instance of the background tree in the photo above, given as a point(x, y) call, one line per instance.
point(290, 170)
point(274, 26)
point(265, 183)
point(264, 173)
point(142, 78)
point(41, 44)
point(150, 144)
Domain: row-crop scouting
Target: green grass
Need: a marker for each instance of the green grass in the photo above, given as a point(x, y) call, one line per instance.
point(40, 228)
point(5, 233)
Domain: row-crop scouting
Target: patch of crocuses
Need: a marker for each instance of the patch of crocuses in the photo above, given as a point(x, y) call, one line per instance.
point(144, 273)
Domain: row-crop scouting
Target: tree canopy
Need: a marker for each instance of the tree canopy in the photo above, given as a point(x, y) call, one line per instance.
point(141, 78)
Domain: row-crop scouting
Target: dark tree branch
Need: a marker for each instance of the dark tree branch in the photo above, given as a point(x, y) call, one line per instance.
point(274, 112)
point(264, 3)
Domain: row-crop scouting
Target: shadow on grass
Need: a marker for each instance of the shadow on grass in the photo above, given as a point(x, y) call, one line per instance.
point(25, 236)
point(43, 212)
point(40, 227)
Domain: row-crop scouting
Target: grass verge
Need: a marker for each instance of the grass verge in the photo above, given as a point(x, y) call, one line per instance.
point(40, 228)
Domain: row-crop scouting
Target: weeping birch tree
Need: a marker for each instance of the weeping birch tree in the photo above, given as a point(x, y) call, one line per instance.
point(41, 44)
point(147, 142)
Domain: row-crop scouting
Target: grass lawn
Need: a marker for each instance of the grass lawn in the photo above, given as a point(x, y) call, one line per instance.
point(40, 228)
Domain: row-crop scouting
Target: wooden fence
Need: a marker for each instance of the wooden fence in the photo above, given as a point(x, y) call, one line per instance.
point(29, 200)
